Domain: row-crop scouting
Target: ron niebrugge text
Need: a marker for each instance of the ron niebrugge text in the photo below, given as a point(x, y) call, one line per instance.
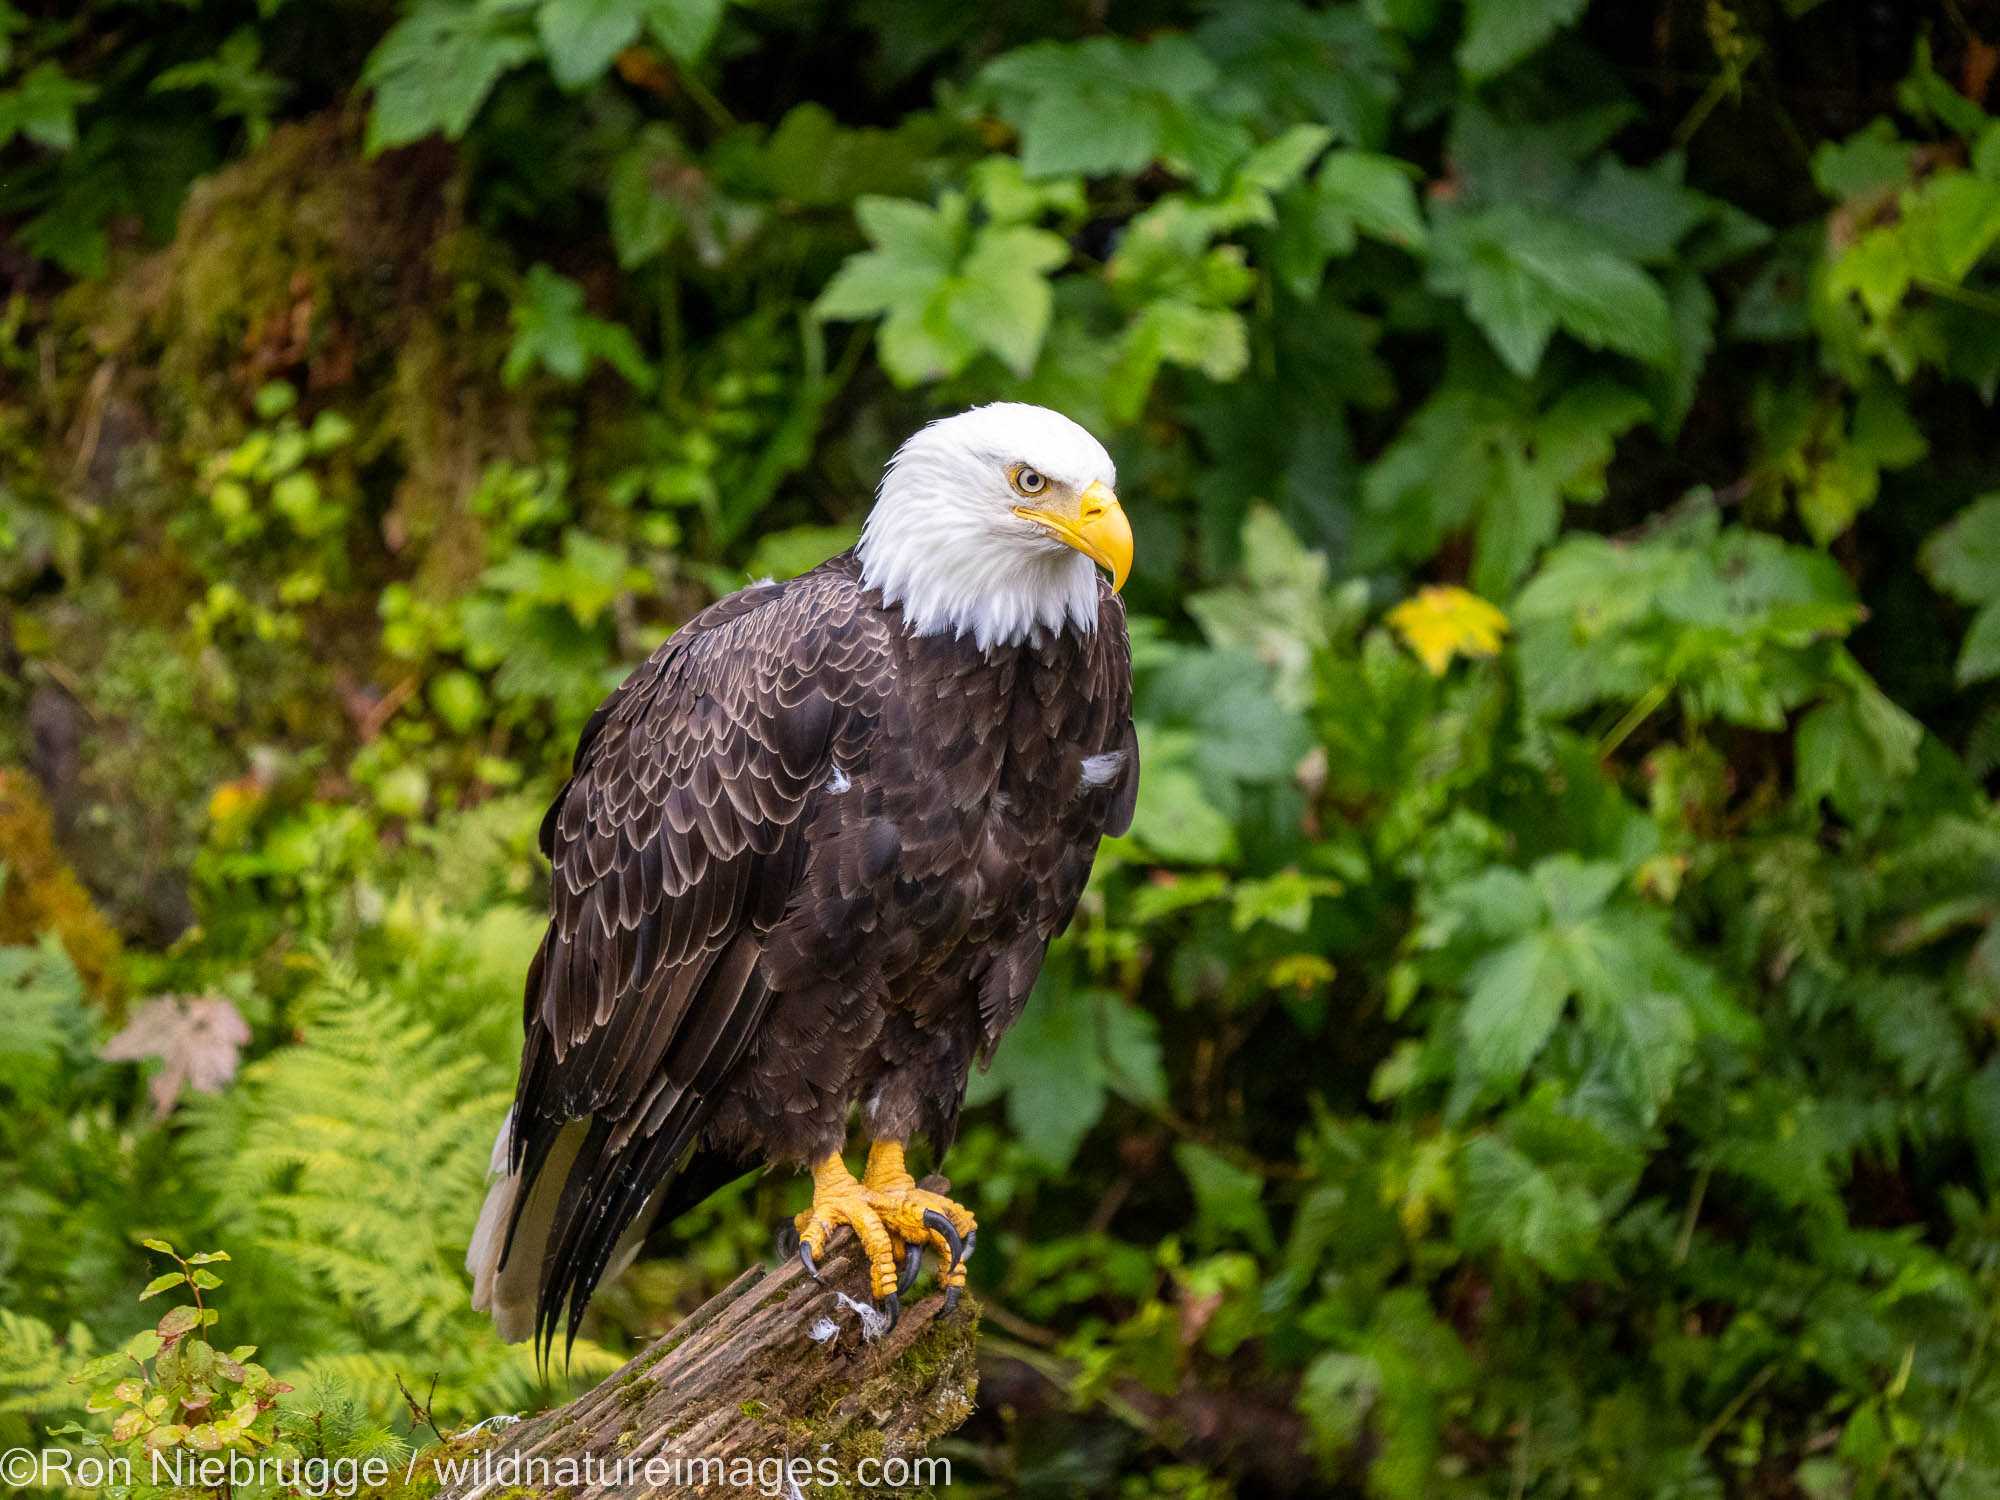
point(58, 1468)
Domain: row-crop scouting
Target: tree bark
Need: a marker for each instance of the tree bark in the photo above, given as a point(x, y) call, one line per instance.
point(778, 1379)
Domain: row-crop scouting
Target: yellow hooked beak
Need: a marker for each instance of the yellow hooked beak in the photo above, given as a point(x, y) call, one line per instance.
point(1098, 530)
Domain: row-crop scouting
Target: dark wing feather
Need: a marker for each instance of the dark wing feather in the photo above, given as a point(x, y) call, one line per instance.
point(1092, 717)
point(676, 845)
point(1113, 689)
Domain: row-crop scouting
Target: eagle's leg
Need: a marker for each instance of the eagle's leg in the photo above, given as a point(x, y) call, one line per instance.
point(915, 1217)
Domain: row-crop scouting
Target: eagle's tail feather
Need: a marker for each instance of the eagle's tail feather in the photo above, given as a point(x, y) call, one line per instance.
point(510, 1251)
point(618, 1180)
point(508, 1242)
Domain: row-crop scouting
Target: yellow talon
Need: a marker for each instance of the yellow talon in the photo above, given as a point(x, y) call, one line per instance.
point(914, 1216)
point(838, 1199)
point(888, 1212)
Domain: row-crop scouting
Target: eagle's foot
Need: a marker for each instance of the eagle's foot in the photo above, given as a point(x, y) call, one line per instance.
point(838, 1199)
point(894, 1220)
point(915, 1217)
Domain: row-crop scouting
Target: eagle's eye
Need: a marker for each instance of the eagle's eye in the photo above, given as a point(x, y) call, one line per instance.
point(1028, 482)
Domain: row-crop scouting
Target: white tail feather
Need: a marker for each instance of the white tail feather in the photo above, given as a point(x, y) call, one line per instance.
point(509, 1292)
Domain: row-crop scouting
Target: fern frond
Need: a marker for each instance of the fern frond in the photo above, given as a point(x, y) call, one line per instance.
point(358, 1157)
point(35, 1365)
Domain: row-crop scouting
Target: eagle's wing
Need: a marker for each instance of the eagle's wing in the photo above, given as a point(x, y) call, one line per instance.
point(676, 846)
point(1111, 692)
point(1100, 778)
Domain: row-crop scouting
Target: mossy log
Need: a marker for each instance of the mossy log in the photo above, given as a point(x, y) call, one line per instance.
point(776, 1369)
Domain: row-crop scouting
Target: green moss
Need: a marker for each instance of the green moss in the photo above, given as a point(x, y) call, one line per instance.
point(661, 1350)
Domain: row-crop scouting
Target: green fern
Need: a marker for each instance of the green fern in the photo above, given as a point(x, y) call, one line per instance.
point(360, 1154)
point(323, 1418)
point(346, 1172)
point(35, 1367)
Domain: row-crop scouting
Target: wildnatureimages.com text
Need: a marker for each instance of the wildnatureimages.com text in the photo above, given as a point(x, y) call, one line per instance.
point(774, 1475)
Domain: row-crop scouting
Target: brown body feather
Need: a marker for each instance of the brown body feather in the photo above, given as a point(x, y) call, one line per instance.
point(805, 859)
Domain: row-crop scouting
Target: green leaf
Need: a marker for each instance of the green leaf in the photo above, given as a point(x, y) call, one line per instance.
point(1133, 1066)
point(162, 1283)
point(1928, 96)
point(798, 549)
point(1963, 557)
point(910, 240)
point(1509, 1204)
point(1228, 1199)
point(1499, 33)
point(1277, 164)
point(1517, 994)
point(948, 292)
point(1108, 106)
point(1731, 621)
point(684, 27)
point(1523, 276)
point(459, 700)
point(1004, 300)
point(436, 66)
point(1285, 900)
point(1393, 1380)
point(644, 218)
point(1949, 225)
point(1979, 654)
point(1173, 818)
point(581, 37)
point(552, 330)
point(1472, 458)
point(1982, 1115)
point(243, 90)
point(1647, 214)
point(1336, 64)
point(43, 106)
point(1354, 193)
point(1376, 194)
point(1868, 162)
point(1069, 1048)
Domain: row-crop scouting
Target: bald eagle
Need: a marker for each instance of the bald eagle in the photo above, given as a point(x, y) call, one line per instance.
point(810, 856)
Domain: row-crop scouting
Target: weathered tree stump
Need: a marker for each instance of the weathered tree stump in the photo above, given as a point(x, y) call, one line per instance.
point(778, 1382)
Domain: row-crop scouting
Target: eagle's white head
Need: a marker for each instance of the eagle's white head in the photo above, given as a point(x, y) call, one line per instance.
point(988, 524)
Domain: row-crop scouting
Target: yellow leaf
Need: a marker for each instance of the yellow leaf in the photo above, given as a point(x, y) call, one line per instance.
point(1442, 622)
point(233, 798)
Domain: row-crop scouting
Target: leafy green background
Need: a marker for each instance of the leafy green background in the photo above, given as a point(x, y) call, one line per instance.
point(1571, 1072)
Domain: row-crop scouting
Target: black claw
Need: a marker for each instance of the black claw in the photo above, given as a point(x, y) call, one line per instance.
point(891, 1307)
point(806, 1259)
point(786, 1239)
point(950, 1298)
point(943, 1228)
point(971, 1239)
point(913, 1260)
